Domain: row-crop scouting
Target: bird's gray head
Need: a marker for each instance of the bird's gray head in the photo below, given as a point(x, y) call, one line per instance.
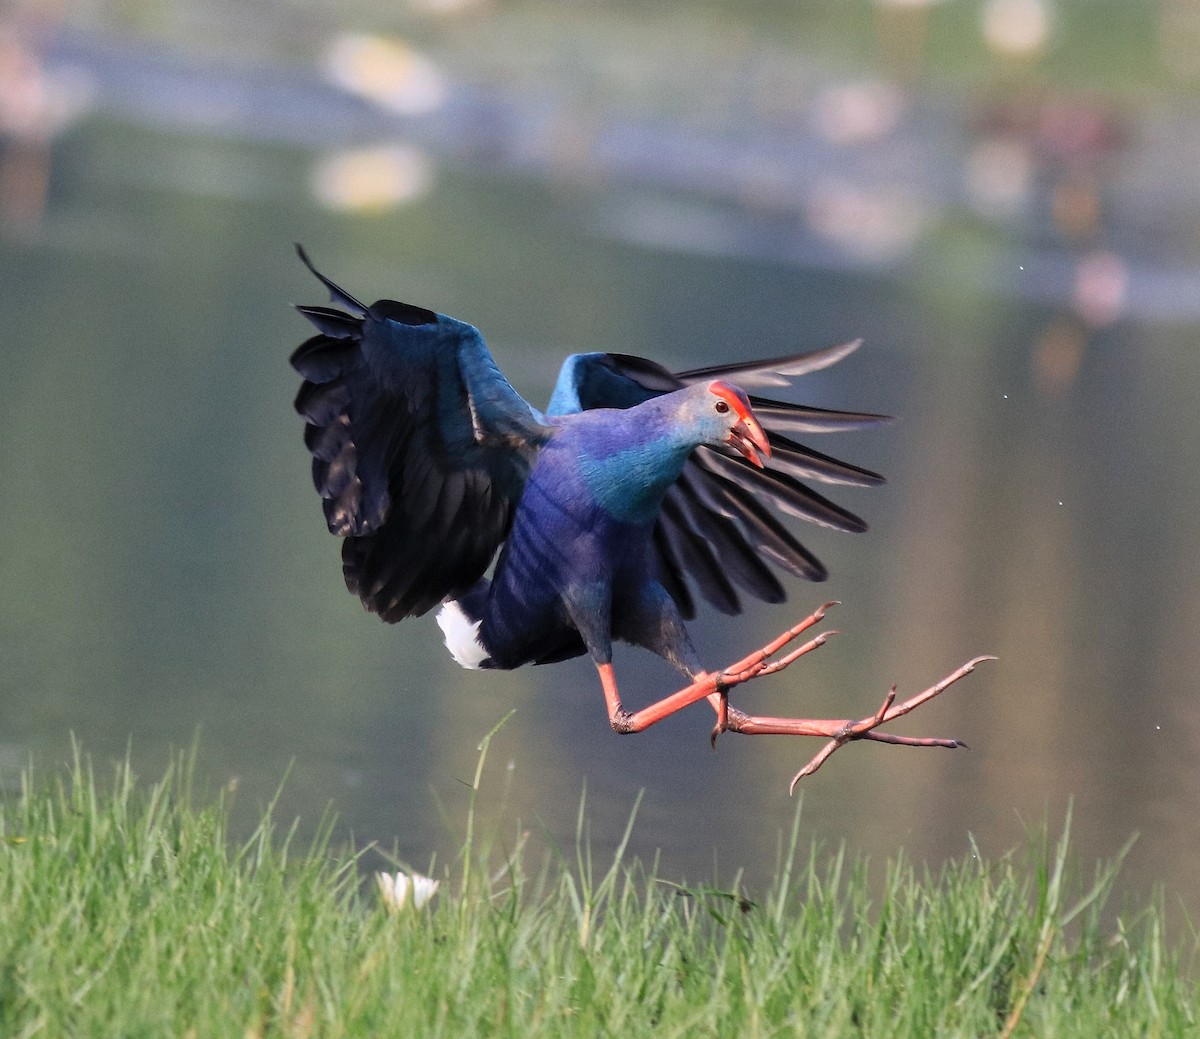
point(721, 414)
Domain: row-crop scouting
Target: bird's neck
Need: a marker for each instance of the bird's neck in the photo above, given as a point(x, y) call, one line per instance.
point(629, 476)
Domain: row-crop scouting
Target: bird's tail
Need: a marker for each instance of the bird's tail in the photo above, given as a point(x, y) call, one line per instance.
point(501, 643)
point(459, 620)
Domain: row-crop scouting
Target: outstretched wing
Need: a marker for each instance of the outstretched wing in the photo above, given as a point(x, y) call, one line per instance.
point(715, 524)
point(420, 447)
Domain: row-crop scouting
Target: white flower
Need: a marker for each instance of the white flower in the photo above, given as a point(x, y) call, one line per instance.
point(396, 887)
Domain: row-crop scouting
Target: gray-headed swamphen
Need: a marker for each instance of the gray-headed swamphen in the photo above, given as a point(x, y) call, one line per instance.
point(633, 483)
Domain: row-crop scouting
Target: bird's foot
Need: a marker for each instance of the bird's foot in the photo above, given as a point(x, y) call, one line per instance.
point(840, 731)
point(759, 663)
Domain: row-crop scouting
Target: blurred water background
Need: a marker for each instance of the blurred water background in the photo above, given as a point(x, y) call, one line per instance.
point(1000, 196)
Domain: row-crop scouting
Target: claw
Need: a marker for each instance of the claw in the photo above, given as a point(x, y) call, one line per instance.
point(722, 694)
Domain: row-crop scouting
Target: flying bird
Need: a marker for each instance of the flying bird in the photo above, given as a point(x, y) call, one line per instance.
point(636, 489)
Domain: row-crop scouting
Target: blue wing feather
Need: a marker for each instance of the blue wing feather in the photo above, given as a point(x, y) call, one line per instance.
point(420, 448)
point(716, 507)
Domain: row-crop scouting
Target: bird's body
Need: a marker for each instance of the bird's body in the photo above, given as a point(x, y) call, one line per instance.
point(577, 569)
point(601, 514)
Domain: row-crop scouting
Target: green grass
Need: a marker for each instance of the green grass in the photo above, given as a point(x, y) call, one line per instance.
point(126, 910)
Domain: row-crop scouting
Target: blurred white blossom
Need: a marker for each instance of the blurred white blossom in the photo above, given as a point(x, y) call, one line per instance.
point(1018, 28)
point(397, 888)
point(371, 179)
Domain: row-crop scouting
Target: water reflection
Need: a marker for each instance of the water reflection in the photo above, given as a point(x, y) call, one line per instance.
point(371, 179)
point(37, 103)
point(1030, 314)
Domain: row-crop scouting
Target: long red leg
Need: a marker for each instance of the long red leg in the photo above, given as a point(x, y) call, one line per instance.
point(839, 731)
point(713, 684)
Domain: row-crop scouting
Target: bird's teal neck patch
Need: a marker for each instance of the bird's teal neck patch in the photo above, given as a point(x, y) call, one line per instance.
point(629, 482)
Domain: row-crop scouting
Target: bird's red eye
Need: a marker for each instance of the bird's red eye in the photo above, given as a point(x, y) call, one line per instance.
point(721, 406)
